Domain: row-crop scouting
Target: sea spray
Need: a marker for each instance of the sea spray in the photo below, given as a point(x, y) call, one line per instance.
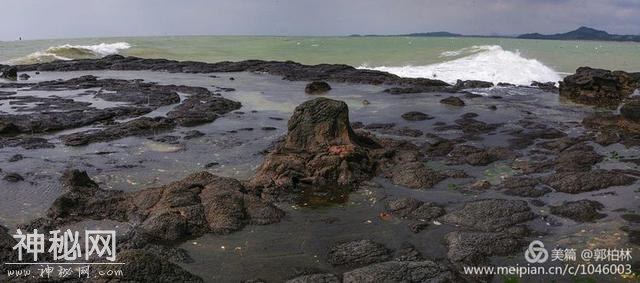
point(70, 52)
point(487, 63)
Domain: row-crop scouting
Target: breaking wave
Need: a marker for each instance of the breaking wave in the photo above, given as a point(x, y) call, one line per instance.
point(70, 52)
point(487, 63)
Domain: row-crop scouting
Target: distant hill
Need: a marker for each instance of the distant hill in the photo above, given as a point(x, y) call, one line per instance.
point(434, 34)
point(418, 34)
point(583, 33)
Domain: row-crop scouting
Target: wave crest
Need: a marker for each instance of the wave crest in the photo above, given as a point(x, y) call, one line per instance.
point(70, 52)
point(487, 63)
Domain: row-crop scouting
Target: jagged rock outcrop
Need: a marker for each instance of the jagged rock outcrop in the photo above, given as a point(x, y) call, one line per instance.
point(320, 149)
point(599, 87)
point(198, 204)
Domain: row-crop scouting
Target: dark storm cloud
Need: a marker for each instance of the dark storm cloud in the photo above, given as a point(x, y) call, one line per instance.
point(85, 18)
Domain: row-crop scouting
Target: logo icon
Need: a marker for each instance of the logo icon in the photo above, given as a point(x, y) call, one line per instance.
point(536, 253)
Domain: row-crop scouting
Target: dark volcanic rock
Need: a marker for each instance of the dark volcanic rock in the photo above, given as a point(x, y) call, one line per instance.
point(579, 211)
point(26, 142)
point(316, 278)
point(625, 131)
point(77, 179)
point(13, 177)
point(288, 70)
point(192, 134)
point(548, 86)
point(16, 157)
point(358, 253)
point(524, 187)
point(415, 175)
point(577, 158)
point(414, 209)
point(7, 253)
point(631, 111)
point(578, 182)
point(317, 87)
point(24, 77)
point(145, 267)
point(479, 157)
point(320, 149)
point(490, 215)
point(200, 109)
point(453, 101)
point(201, 106)
point(460, 84)
point(476, 247)
point(136, 127)
point(416, 116)
point(55, 121)
point(598, 87)
point(400, 271)
point(8, 72)
point(198, 204)
point(380, 126)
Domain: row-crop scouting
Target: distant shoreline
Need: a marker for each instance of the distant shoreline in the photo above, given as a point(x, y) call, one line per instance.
point(582, 33)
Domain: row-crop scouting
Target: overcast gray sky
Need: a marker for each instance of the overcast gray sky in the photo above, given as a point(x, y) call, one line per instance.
point(33, 19)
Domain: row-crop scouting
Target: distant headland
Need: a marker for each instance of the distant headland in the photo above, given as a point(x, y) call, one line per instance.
point(582, 33)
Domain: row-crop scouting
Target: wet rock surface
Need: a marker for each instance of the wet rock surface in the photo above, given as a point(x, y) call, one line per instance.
point(317, 87)
point(598, 86)
point(472, 248)
point(56, 113)
point(581, 211)
point(490, 214)
point(200, 203)
point(462, 190)
point(453, 101)
point(139, 126)
point(358, 253)
point(400, 271)
point(416, 116)
point(320, 149)
point(288, 70)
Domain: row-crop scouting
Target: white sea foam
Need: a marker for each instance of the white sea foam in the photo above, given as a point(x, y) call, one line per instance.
point(487, 63)
point(70, 52)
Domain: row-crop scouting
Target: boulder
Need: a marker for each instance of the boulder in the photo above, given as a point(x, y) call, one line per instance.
point(490, 215)
point(317, 87)
point(358, 253)
point(460, 84)
point(400, 271)
point(631, 111)
point(586, 181)
point(416, 116)
point(579, 211)
point(453, 101)
point(414, 209)
point(598, 87)
point(473, 248)
point(8, 72)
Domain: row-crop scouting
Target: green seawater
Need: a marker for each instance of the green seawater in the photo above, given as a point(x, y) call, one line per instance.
point(563, 57)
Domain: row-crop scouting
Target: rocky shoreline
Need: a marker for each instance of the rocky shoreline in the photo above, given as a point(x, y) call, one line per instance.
point(324, 153)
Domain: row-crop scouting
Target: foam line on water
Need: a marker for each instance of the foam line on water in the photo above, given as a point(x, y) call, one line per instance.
point(487, 63)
